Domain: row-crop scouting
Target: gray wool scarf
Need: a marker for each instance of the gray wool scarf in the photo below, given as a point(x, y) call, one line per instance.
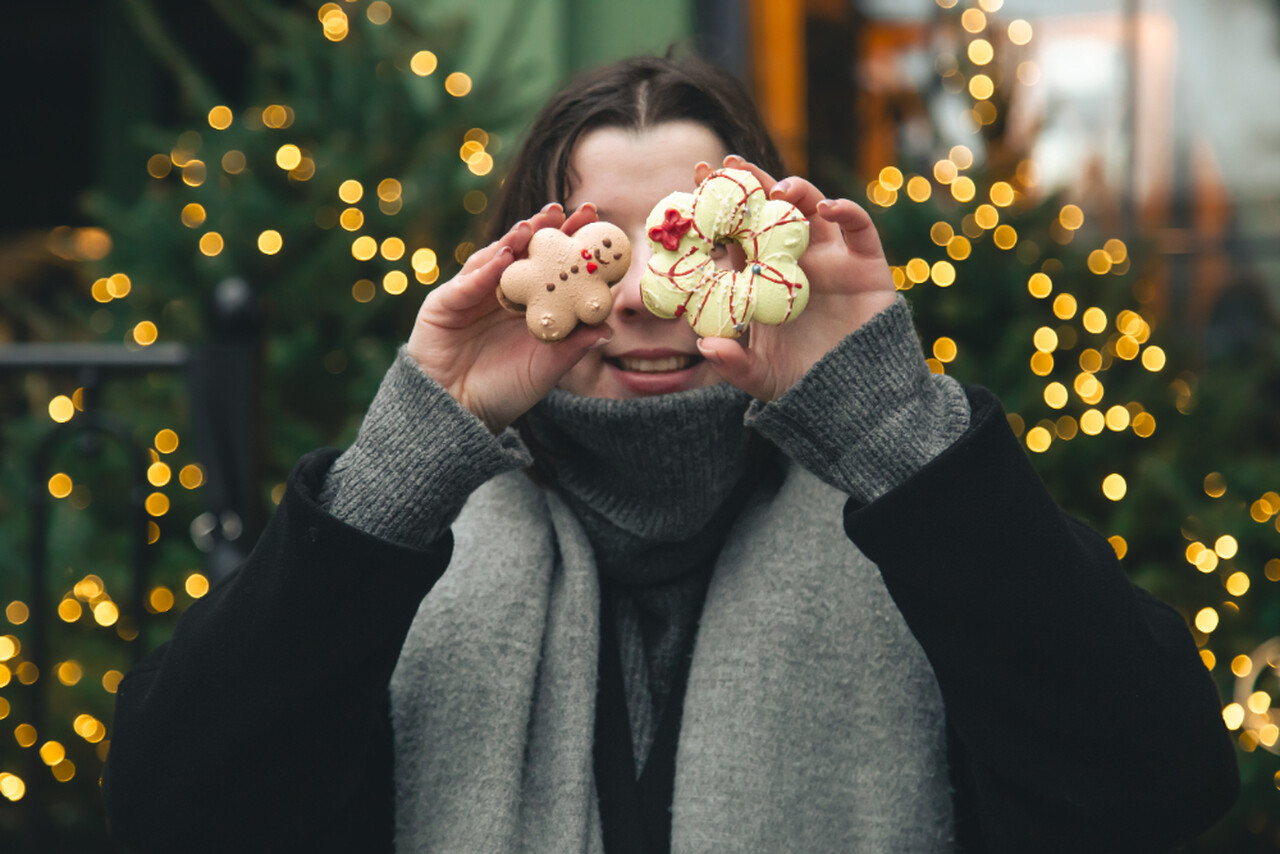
point(812, 721)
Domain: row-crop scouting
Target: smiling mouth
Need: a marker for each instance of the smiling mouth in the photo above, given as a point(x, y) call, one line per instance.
point(654, 366)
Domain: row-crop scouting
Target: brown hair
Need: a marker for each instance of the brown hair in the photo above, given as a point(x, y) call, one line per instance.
point(635, 94)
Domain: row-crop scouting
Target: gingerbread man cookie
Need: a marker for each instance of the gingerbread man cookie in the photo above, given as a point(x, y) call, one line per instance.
point(566, 277)
point(683, 280)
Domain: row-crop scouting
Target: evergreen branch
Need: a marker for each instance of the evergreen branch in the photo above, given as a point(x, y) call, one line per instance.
point(196, 90)
point(242, 21)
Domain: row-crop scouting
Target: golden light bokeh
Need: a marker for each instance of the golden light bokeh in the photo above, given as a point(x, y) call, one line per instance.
point(220, 118)
point(270, 242)
point(981, 52)
point(1039, 285)
point(211, 244)
point(458, 84)
point(424, 63)
point(395, 282)
point(1020, 31)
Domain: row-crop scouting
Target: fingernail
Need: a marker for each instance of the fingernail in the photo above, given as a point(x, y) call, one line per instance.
point(506, 250)
point(587, 206)
point(709, 355)
point(734, 157)
point(550, 206)
point(600, 343)
point(781, 187)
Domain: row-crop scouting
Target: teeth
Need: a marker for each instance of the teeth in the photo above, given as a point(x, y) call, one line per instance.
point(654, 366)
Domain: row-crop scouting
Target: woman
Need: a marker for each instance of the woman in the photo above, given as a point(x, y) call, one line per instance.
point(796, 593)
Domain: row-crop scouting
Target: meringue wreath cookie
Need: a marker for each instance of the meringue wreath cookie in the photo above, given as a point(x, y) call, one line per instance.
point(682, 279)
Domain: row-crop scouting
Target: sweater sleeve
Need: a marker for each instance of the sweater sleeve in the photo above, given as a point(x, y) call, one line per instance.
point(870, 413)
point(417, 458)
point(263, 725)
point(1080, 715)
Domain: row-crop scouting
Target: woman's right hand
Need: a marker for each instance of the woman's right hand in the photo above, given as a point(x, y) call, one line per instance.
point(483, 354)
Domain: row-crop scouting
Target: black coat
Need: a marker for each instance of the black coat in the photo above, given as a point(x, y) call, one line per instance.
point(1080, 717)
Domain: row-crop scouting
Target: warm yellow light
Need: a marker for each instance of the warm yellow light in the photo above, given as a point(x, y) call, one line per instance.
point(17, 612)
point(350, 191)
point(958, 247)
point(941, 233)
point(196, 585)
point(363, 290)
point(1041, 363)
point(1099, 262)
point(159, 165)
point(119, 285)
point(961, 156)
point(1241, 665)
point(1206, 621)
point(276, 116)
point(944, 349)
point(233, 162)
point(483, 165)
point(1039, 439)
point(1119, 544)
point(379, 12)
point(1045, 339)
point(1004, 237)
point(69, 610)
point(11, 786)
point(1153, 359)
point(193, 215)
point(1144, 424)
point(943, 273)
point(1226, 546)
point(158, 474)
point(1117, 418)
point(1114, 486)
point(1094, 320)
point(1028, 73)
point(987, 216)
point(919, 189)
point(211, 243)
point(191, 476)
point(963, 189)
point(220, 118)
point(1259, 702)
point(990, 6)
point(336, 25)
point(270, 242)
point(457, 84)
point(430, 276)
point(1039, 285)
point(981, 87)
point(1090, 361)
point(1208, 658)
point(145, 333)
point(944, 171)
point(157, 504)
point(64, 770)
point(917, 270)
point(288, 156)
point(61, 409)
point(351, 219)
point(1238, 584)
point(364, 247)
point(973, 20)
point(52, 752)
point(1055, 395)
point(981, 52)
point(161, 599)
point(1215, 485)
point(1001, 194)
point(891, 178)
point(423, 63)
point(106, 613)
point(60, 485)
point(423, 260)
point(1071, 217)
point(395, 282)
point(1064, 306)
point(1233, 715)
point(393, 249)
point(69, 672)
point(389, 189)
point(1020, 31)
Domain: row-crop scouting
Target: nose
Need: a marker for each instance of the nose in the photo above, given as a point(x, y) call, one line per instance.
point(627, 302)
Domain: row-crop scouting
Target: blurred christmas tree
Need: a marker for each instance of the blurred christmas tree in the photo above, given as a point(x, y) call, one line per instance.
point(1164, 443)
point(309, 211)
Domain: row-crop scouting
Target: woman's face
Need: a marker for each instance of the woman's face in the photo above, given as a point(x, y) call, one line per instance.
point(625, 173)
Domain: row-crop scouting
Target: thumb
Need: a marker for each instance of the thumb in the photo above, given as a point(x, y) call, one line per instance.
point(739, 366)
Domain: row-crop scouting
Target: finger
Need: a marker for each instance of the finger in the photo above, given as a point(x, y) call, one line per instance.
point(738, 366)
point(470, 289)
point(551, 216)
point(854, 223)
point(734, 161)
point(701, 171)
point(586, 213)
point(806, 197)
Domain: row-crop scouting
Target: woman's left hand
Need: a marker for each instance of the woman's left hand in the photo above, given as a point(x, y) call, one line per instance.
point(849, 282)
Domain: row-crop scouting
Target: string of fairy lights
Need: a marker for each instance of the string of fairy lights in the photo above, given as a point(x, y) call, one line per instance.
point(1123, 338)
point(1108, 340)
point(88, 601)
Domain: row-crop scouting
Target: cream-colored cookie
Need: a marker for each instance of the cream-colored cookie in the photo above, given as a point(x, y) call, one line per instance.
point(565, 279)
point(683, 280)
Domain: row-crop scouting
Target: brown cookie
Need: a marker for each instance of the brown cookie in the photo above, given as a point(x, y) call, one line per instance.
point(566, 277)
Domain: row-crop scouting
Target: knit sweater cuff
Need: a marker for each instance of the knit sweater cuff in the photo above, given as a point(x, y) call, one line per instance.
point(870, 413)
point(417, 458)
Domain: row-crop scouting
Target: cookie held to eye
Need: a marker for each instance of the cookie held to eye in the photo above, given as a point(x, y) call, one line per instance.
point(682, 280)
point(565, 279)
